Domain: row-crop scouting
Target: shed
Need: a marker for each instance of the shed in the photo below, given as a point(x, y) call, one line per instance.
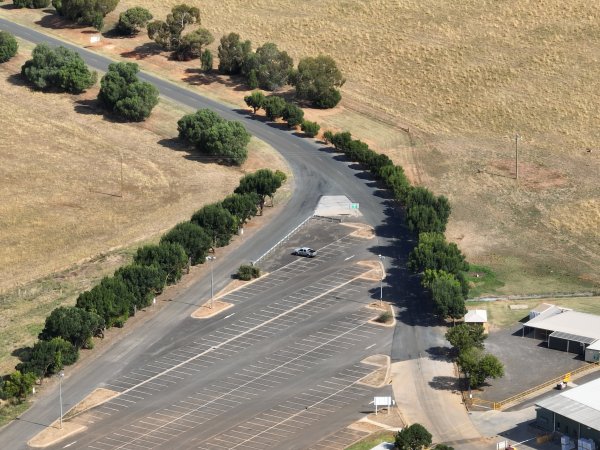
point(592, 352)
point(476, 316)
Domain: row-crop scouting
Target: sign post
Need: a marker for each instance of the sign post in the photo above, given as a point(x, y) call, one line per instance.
point(383, 401)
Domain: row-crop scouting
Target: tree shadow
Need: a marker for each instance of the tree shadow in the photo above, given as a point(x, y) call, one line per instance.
point(89, 107)
point(9, 6)
point(17, 80)
point(439, 353)
point(143, 51)
point(54, 21)
point(174, 144)
point(23, 353)
point(197, 77)
point(443, 383)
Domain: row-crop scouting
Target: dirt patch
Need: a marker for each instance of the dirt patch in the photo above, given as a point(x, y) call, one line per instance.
point(377, 360)
point(387, 418)
point(206, 312)
point(53, 434)
point(98, 396)
point(378, 377)
point(530, 175)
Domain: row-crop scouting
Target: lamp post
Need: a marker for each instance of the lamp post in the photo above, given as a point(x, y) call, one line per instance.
point(381, 258)
point(61, 375)
point(212, 292)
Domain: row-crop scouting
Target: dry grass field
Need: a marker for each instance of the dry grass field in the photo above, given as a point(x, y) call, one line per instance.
point(464, 77)
point(62, 212)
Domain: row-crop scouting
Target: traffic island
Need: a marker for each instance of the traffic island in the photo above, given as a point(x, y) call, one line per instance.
point(206, 312)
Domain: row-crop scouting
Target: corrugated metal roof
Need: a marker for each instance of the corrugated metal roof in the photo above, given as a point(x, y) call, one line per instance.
point(573, 337)
point(543, 307)
point(595, 345)
point(571, 322)
point(581, 404)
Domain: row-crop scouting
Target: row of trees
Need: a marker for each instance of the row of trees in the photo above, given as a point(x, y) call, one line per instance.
point(132, 287)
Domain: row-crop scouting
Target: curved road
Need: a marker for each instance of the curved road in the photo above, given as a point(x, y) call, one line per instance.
point(316, 173)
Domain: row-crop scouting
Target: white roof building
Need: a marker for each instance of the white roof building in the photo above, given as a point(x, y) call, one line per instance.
point(476, 316)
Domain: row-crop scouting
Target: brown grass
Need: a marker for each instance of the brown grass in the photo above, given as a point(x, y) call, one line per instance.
point(464, 77)
point(62, 212)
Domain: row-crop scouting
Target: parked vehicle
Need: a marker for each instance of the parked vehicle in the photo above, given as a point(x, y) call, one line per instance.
point(305, 251)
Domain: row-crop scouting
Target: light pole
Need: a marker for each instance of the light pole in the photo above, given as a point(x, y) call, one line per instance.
point(212, 292)
point(61, 375)
point(381, 258)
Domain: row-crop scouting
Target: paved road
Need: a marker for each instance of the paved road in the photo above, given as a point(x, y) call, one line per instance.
point(316, 172)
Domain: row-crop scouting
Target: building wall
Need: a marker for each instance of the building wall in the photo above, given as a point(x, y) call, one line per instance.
point(545, 420)
point(592, 355)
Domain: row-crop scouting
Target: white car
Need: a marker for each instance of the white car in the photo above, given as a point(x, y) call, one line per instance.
point(305, 251)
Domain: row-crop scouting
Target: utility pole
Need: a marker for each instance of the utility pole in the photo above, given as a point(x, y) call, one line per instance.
point(381, 258)
point(61, 375)
point(212, 292)
point(517, 156)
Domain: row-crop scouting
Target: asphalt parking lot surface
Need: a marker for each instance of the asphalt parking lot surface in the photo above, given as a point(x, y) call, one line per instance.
point(280, 369)
point(527, 363)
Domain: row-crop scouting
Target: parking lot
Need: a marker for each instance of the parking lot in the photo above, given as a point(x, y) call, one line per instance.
point(280, 367)
point(527, 363)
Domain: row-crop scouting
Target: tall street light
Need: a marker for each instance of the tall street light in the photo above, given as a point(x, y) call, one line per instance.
point(381, 258)
point(212, 292)
point(61, 375)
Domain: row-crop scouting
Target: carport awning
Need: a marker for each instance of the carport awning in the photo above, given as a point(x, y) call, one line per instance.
point(572, 337)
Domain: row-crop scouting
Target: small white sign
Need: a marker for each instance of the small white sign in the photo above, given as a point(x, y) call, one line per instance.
point(383, 401)
point(501, 445)
point(95, 39)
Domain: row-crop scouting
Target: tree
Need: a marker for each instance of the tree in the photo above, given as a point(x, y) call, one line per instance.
point(446, 293)
point(8, 46)
point(170, 258)
point(263, 182)
point(219, 223)
point(256, 100)
point(443, 447)
point(33, 4)
point(18, 385)
point(414, 437)
point(311, 129)
point(85, 12)
point(190, 45)
point(316, 80)
point(111, 300)
point(274, 107)
point(144, 282)
point(479, 366)
point(426, 212)
point(232, 53)
point(268, 66)
point(195, 240)
point(433, 252)
point(59, 69)
point(293, 115)
point(133, 20)
point(206, 61)
point(168, 33)
point(242, 206)
point(49, 357)
point(465, 336)
point(73, 324)
point(212, 135)
point(123, 94)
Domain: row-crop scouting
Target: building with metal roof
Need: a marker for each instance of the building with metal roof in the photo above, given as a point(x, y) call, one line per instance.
point(574, 413)
point(570, 331)
point(476, 316)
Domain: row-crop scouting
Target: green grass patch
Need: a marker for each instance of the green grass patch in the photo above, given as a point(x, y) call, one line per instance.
point(373, 440)
point(10, 412)
point(482, 280)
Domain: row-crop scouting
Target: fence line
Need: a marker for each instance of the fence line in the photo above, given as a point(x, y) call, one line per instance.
point(281, 241)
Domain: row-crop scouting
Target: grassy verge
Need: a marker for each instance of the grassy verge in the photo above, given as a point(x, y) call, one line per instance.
point(11, 412)
point(371, 441)
point(501, 316)
point(482, 280)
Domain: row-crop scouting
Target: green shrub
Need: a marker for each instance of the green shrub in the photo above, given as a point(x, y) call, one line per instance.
point(384, 317)
point(8, 46)
point(32, 4)
point(247, 272)
point(133, 20)
point(311, 129)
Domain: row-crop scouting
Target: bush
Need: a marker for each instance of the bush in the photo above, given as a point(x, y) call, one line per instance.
point(133, 20)
point(59, 69)
point(195, 240)
point(33, 4)
point(247, 272)
point(316, 80)
point(111, 300)
point(293, 115)
point(144, 282)
point(170, 259)
point(206, 61)
point(85, 12)
point(8, 46)
point(233, 53)
point(414, 437)
point(73, 324)
point(311, 129)
point(17, 385)
point(256, 101)
point(384, 317)
point(123, 94)
point(49, 357)
point(274, 107)
point(210, 134)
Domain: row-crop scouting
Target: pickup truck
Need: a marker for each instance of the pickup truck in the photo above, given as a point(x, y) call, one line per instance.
point(305, 251)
